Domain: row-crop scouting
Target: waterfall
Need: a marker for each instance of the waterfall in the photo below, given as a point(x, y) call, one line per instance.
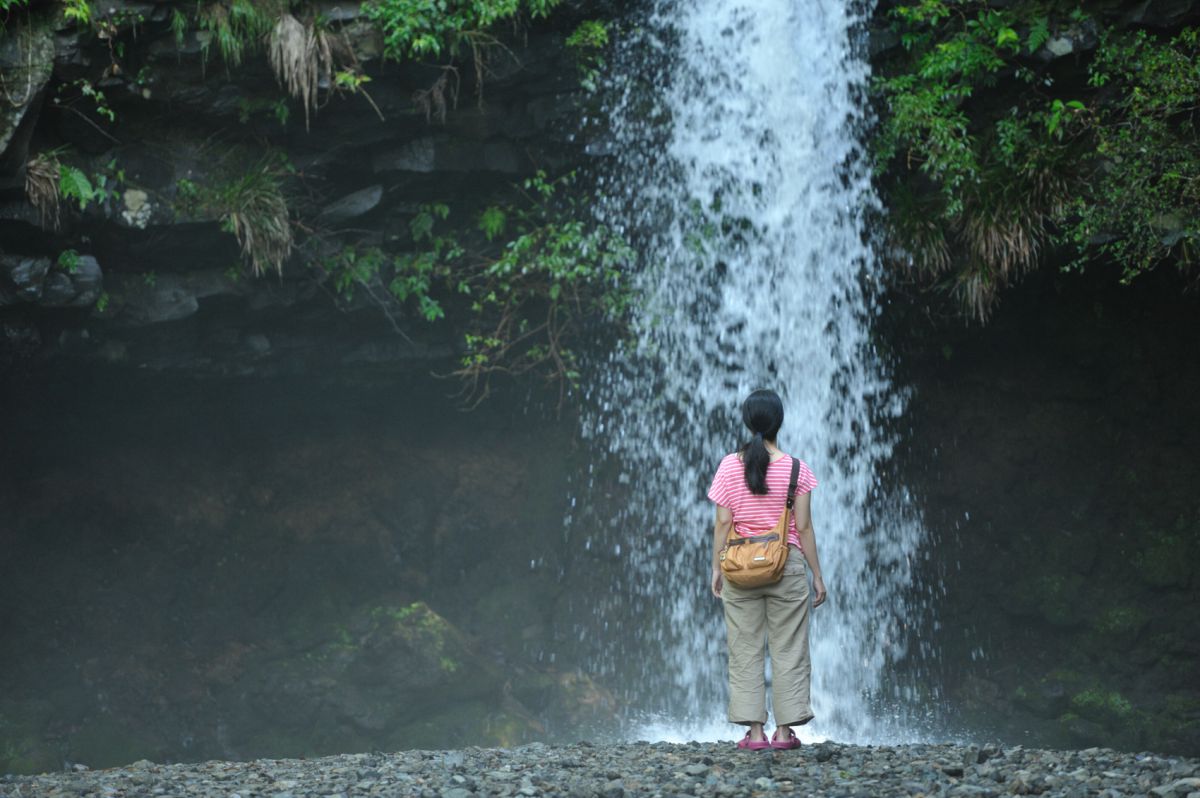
point(740, 172)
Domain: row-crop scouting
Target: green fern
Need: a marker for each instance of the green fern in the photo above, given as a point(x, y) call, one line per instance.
point(73, 183)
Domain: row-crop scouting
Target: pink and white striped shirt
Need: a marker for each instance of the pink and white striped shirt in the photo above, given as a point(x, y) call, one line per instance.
point(753, 514)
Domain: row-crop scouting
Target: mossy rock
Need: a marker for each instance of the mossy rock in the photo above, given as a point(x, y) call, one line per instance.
point(1081, 731)
point(1102, 706)
point(1165, 561)
point(1056, 597)
point(516, 611)
point(1049, 697)
point(104, 743)
point(26, 755)
point(1114, 632)
point(23, 747)
point(566, 700)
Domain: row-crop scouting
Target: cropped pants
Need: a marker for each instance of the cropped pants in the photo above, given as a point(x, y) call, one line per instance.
point(778, 616)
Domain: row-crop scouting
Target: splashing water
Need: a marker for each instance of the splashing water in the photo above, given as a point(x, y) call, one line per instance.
point(740, 173)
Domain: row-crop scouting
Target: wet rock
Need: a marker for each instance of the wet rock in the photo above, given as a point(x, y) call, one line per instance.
point(154, 298)
point(413, 156)
point(26, 275)
point(38, 281)
point(257, 344)
point(1075, 39)
point(352, 205)
point(26, 60)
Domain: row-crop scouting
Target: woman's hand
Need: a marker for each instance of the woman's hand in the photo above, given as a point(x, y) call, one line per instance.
point(819, 593)
point(716, 581)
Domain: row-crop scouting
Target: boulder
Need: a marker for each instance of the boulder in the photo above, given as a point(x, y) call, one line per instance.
point(26, 275)
point(412, 156)
point(138, 300)
point(1075, 39)
point(352, 205)
point(37, 281)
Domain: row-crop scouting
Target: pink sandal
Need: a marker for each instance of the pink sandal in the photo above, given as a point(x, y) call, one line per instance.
point(783, 745)
point(747, 744)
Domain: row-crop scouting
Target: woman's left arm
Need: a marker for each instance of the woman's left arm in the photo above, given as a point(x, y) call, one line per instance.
point(720, 534)
point(808, 541)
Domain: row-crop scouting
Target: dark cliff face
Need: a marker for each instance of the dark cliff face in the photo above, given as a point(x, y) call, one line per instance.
point(173, 290)
point(1054, 453)
point(1052, 450)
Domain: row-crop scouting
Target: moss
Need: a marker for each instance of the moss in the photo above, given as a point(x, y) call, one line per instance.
point(1186, 705)
point(1057, 597)
point(106, 743)
point(26, 755)
point(1101, 705)
point(1123, 620)
point(424, 630)
point(22, 748)
point(1165, 561)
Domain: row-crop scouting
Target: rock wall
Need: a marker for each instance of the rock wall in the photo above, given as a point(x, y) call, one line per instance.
point(1052, 453)
point(173, 290)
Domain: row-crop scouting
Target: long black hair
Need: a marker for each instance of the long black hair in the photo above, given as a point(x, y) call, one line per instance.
point(763, 413)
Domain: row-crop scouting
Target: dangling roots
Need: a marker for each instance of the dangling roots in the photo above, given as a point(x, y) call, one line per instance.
point(41, 187)
point(301, 58)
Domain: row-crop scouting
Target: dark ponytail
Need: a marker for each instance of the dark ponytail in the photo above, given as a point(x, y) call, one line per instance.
point(763, 414)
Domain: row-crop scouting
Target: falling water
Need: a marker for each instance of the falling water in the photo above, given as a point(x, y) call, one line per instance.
point(736, 132)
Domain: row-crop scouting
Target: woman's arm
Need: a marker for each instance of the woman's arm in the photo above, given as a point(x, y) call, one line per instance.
point(808, 541)
point(720, 533)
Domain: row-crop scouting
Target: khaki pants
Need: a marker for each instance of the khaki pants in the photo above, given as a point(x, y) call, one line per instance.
point(778, 614)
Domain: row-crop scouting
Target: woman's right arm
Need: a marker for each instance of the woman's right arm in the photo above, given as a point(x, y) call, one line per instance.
point(720, 534)
point(808, 541)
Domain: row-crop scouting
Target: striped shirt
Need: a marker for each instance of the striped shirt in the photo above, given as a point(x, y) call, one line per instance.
point(753, 514)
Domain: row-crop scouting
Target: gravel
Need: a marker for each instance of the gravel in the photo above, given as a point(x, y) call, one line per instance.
point(655, 770)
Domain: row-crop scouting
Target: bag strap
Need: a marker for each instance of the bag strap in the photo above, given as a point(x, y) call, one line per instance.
point(792, 483)
point(791, 497)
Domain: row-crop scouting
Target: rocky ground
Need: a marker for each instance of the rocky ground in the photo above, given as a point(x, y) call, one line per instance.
point(650, 769)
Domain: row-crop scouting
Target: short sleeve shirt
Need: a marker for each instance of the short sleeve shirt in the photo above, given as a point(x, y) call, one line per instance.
point(754, 514)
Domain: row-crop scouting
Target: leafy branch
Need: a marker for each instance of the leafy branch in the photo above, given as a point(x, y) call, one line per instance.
point(528, 276)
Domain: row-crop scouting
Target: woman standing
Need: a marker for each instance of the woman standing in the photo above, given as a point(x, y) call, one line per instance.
point(750, 491)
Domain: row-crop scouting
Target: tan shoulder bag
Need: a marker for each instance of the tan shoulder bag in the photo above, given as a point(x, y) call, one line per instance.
point(759, 560)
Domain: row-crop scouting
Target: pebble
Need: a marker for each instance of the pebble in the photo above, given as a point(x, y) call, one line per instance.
point(633, 770)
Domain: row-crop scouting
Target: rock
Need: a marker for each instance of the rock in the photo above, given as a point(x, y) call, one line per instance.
point(501, 156)
point(113, 351)
point(414, 156)
point(139, 300)
point(352, 205)
point(613, 789)
point(1075, 39)
point(881, 40)
point(38, 281)
point(26, 275)
point(138, 209)
point(1160, 13)
point(258, 344)
point(57, 290)
point(26, 60)
point(1059, 46)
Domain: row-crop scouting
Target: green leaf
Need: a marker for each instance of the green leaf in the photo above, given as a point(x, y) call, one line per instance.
point(1039, 32)
point(74, 184)
point(492, 222)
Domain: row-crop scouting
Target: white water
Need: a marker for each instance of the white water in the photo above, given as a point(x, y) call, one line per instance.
point(741, 175)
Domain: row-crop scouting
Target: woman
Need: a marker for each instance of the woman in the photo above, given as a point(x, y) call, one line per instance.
point(750, 491)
